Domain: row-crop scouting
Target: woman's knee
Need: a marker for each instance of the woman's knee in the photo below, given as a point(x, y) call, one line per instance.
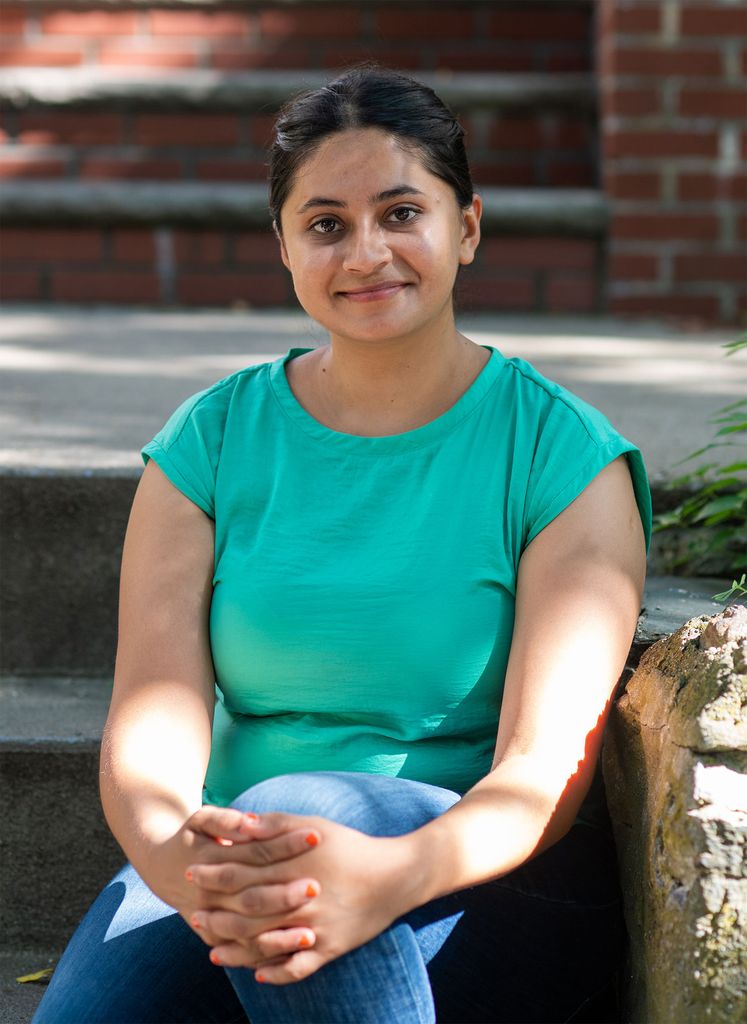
point(377, 804)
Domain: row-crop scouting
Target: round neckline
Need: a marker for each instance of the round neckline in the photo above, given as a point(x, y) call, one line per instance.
point(389, 443)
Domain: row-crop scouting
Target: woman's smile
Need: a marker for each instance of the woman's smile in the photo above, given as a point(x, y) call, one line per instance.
point(375, 293)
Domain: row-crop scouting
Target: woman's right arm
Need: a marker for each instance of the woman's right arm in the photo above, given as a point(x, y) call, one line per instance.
point(156, 741)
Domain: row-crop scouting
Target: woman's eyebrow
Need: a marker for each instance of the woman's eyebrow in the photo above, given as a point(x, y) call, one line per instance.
point(379, 197)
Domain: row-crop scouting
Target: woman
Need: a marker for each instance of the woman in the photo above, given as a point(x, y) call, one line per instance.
point(414, 568)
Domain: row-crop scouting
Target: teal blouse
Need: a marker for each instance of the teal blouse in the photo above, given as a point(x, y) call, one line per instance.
point(364, 587)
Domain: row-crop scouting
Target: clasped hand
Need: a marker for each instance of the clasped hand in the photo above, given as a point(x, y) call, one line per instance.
point(287, 893)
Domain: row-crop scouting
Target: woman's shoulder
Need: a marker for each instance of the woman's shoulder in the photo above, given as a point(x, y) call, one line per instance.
point(546, 402)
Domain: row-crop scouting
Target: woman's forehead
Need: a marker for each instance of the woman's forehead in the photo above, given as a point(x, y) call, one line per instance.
point(365, 161)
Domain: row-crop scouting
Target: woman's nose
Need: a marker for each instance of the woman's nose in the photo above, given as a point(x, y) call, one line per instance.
point(367, 249)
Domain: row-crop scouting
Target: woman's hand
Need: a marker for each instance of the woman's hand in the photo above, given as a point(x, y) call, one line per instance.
point(361, 884)
point(214, 836)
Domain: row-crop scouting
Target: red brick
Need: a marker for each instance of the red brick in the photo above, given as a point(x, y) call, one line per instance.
point(107, 168)
point(570, 292)
point(114, 55)
point(26, 167)
point(186, 129)
point(316, 23)
point(533, 253)
point(231, 170)
point(655, 143)
point(251, 289)
point(567, 133)
point(280, 59)
point(546, 23)
point(476, 291)
point(569, 174)
point(257, 248)
point(199, 23)
point(39, 56)
point(620, 102)
point(343, 54)
point(723, 102)
point(133, 245)
point(12, 21)
point(711, 266)
point(517, 133)
point(632, 184)
point(634, 20)
point(199, 247)
point(4, 135)
point(45, 245)
point(409, 25)
point(742, 228)
point(743, 146)
point(665, 227)
point(19, 285)
point(89, 23)
point(466, 58)
point(705, 306)
point(81, 127)
point(744, 62)
point(104, 286)
point(519, 174)
point(563, 62)
point(707, 187)
point(712, 20)
point(660, 61)
point(633, 267)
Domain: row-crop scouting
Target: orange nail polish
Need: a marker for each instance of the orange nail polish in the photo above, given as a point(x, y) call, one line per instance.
point(311, 839)
point(188, 875)
point(311, 890)
point(260, 978)
point(214, 959)
point(250, 816)
point(196, 923)
point(304, 942)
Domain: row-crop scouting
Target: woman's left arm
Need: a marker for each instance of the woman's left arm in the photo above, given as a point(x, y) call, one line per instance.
point(579, 589)
point(578, 597)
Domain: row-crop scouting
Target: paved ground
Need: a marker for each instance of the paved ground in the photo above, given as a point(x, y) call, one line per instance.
point(85, 388)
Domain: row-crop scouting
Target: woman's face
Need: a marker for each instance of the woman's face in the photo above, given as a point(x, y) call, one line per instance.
point(373, 239)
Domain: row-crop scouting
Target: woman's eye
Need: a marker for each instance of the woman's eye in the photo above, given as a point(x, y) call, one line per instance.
point(404, 214)
point(325, 226)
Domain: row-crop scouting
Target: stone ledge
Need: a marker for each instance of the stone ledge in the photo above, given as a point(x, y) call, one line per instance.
point(266, 91)
point(577, 213)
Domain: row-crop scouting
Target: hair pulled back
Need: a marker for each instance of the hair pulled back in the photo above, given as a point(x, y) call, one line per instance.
point(369, 96)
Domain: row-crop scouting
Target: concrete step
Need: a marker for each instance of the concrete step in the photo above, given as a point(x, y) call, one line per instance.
point(57, 851)
point(82, 391)
point(577, 213)
point(265, 91)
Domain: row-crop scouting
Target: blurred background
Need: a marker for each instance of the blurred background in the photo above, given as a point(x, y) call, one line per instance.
point(608, 138)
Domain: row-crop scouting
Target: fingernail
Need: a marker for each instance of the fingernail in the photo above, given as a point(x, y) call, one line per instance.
point(188, 875)
point(250, 816)
point(311, 890)
point(214, 958)
point(196, 923)
point(311, 839)
point(223, 842)
point(260, 978)
point(304, 942)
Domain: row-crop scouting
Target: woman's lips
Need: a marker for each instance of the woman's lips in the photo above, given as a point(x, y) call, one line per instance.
point(383, 291)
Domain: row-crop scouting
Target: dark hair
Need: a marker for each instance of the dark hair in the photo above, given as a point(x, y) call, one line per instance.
point(369, 96)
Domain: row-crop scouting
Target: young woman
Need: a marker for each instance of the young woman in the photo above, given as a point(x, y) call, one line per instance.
point(375, 600)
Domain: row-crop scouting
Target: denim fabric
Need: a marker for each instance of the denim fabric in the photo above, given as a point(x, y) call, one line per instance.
point(531, 946)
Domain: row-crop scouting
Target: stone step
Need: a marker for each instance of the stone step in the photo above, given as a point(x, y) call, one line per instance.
point(49, 744)
point(265, 91)
point(577, 213)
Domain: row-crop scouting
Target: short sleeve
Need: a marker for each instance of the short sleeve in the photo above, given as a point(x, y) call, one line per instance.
point(187, 448)
point(576, 443)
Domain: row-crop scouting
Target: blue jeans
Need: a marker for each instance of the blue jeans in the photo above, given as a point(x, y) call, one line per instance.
point(531, 946)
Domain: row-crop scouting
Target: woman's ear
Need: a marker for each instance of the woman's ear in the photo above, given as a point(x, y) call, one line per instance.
point(283, 250)
point(470, 230)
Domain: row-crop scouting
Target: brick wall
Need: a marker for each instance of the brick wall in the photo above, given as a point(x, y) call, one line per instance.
point(548, 148)
point(673, 128)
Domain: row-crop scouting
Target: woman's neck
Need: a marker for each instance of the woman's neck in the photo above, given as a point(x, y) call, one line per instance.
point(374, 389)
